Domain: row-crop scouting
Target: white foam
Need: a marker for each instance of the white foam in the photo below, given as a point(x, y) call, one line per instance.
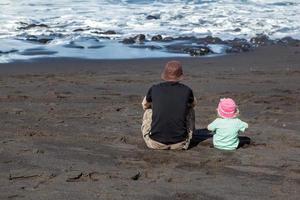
point(176, 17)
point(226, 19)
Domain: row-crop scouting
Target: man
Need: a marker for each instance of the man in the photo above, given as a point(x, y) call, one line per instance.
point(169, 118)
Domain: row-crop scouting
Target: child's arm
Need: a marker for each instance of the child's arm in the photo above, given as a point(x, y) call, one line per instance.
point(244, 126)
point(212, 126)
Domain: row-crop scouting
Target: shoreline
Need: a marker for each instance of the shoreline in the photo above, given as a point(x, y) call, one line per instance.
point(136, 47)
point(276, 54)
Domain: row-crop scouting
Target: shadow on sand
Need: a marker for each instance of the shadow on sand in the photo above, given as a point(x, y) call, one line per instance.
point(201, 135)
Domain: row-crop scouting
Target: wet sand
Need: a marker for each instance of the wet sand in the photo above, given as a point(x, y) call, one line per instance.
point(70, 129)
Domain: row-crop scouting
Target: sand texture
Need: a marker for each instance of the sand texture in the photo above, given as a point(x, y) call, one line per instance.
point(70, 129)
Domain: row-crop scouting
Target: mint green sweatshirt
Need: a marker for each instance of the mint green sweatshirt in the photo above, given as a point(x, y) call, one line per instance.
point(226, 132)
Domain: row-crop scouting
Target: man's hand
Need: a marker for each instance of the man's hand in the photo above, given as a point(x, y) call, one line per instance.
point(194, 103)
point(146, 105)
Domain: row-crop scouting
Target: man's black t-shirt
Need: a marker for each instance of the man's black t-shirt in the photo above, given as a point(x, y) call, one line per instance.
point(171, 102)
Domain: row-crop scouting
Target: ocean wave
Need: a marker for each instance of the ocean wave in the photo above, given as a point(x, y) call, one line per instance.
point(173, 18)
point(62, 22)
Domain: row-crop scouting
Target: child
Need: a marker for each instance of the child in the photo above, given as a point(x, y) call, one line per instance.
point(227, 126)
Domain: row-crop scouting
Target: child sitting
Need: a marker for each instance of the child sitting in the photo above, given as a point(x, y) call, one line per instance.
point(227, 126)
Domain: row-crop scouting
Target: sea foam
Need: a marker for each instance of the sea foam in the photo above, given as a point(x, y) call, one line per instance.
point(63, 21)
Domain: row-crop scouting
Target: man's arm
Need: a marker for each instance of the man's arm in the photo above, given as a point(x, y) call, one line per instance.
point(192, 100)
point(146, 105)
point(147, 100)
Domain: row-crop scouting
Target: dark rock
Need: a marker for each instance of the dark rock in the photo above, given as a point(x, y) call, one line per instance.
point(189, 38)
point(128, 41)
point(200, 51)
point(109, 32)
point(238, 45)
point(42, 39)
point(151, 47)
point(136, 176)
point(74, 176)
point(140, 38)
point(78, 30)
point(261, 40)
point(136, 39)
point(236, 49)
point(168, 39)
point(237, 30)
point(97, 32)
point(238, 40)
point(33, 26)
point(210, 40)
point(73, 45)
point(289, 41)
point(156, 38)
point(151, 17)
point(193, 50)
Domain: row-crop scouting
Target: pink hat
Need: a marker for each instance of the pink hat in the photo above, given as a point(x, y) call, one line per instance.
point(227, 108)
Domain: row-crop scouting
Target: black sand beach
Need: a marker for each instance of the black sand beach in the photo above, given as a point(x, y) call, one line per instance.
point(70, 129)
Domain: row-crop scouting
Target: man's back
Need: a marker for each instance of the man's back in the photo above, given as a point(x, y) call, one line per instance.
point(171, 102)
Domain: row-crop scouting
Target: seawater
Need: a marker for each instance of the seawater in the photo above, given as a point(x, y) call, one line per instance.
point(66, 22)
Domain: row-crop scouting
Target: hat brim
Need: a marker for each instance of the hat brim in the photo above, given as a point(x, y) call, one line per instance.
point(228, 116)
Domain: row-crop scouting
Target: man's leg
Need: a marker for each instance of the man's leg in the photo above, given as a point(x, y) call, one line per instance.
point(146, 126)
point(146, 130)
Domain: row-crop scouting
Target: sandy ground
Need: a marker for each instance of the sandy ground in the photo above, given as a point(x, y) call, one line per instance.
point(70, 129)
